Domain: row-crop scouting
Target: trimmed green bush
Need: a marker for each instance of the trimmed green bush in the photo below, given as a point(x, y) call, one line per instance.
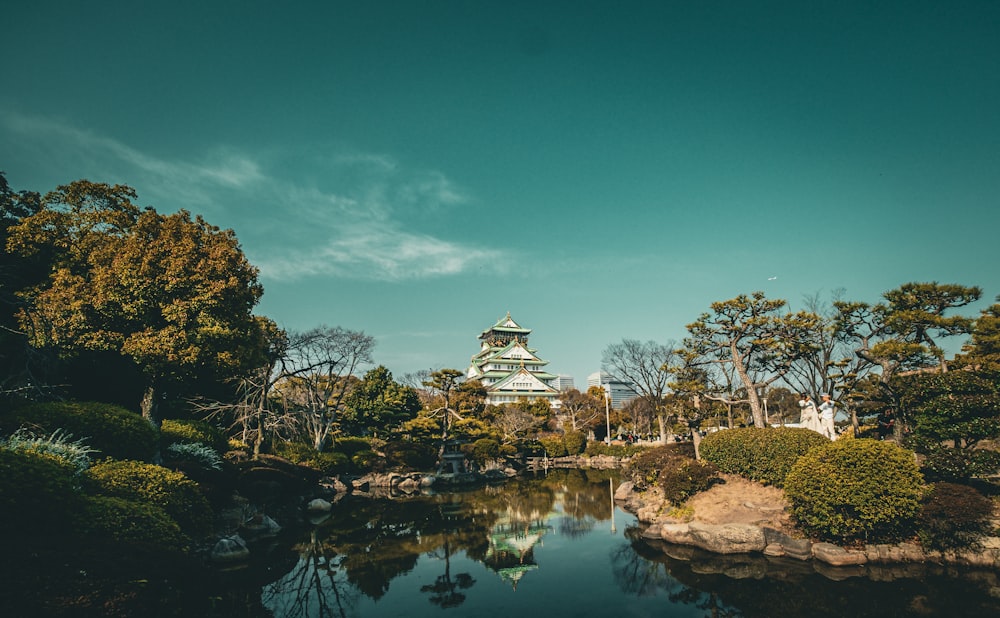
point(595, 448)
point(184, 431)
point(129, 522)
point(943, 463)
point(764, 454)
point(112, 430)
point(953, 516)
point(177, 495)
point(575, 441)
point(36, 489)
point(855, 490)
point(60, 444)
point(553, 445)
point(483, 450)
point(683, 477)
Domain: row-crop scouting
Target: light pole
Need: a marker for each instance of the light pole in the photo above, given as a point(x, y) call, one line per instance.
point(607, 414)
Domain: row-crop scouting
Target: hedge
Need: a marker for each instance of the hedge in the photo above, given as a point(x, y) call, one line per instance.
point(763, 454)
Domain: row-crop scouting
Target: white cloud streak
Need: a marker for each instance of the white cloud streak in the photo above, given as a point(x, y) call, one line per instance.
point(362, 224)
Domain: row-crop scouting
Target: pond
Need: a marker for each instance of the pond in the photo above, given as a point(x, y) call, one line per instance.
point(555, 545)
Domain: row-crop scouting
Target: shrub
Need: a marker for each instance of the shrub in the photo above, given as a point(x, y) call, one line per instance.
point(553, 445)
point(484, 450)
point(177, 495)
point(183, 431)
point(201, 454)
point(644, 469)
point(855, 490)
point(352, 446)
point(60, 445)
point(575, 442)
point(408, 455)
point(35, 488)
point(953, 516)
point(129, 522)
point(683, 477)
point(112, 430)
point(369, 461)
point(595, 448)
point(942, 463)
point(326, 462)
point(761, 454)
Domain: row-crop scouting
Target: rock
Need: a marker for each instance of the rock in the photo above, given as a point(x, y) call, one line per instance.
point(260, 526)
point(230, 549)
point(679, 534)
point(800, 549)
point(888, 554)
point(624, 491)
point(775, 550)
point(727, 538)
point(652, 532)
point(319, 505)
point(838, 556)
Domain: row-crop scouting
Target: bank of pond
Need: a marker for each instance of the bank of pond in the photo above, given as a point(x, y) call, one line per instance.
point(553, 543)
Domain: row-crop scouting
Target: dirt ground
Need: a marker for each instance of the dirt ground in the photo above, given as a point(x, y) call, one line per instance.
point(738, 500)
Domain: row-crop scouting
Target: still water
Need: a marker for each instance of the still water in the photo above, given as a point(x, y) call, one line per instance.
point(555, 546)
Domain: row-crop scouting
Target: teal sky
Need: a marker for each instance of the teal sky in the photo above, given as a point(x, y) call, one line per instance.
point(602, 170)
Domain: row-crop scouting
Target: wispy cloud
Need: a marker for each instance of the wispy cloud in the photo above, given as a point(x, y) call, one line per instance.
point(351, 214)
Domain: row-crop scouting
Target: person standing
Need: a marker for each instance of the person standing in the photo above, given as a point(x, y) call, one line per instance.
point(807, 414)
point(827, 410)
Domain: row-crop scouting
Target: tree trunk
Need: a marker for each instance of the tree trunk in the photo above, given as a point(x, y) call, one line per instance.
point(149, 407)
point(663, 428)
point(696, 440)
point(752, 396)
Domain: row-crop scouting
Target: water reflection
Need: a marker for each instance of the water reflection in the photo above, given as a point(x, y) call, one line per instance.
point(551, 545)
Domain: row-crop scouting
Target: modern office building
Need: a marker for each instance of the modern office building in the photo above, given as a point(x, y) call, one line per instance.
point(563, 383)
point(508, 368)
point(621, 391)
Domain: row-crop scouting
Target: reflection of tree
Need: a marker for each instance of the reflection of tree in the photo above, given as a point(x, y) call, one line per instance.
point(315, 586)
point(639, 575)
point(445, 590)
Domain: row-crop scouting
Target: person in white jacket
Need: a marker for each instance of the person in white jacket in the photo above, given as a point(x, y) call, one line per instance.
point(827, 410)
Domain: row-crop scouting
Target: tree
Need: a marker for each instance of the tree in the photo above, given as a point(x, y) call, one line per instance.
point(172, 294)
point(318, 374)
point(379, 402)
point(750, 334)
point(582, 409)
point(444, 382)
point(902, 333)
point(647, 366)
point(983, 349)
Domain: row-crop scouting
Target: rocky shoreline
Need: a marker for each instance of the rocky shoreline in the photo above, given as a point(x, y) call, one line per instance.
point(769, 537)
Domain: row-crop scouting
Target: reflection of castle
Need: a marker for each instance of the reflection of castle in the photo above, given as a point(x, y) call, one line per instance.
point(512, 543)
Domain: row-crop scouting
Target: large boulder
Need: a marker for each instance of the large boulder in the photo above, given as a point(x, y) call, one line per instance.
point(230, 549)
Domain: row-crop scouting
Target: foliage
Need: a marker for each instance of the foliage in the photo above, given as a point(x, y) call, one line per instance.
point(963, 406)
point(483, 450)
point(410, 455)
point(36, 488)
point(553, 444)
point(750, 335)
point(202, 454)
point(329, 463)
point(368, 460)
point(129, 522)
point(59, 444)
point(353, 446)
point(595, 448)
point(113, 431)
point(177, 495)
point(762, 454)
point(575, 441)
point(851, 490)
point(644, 469)
point(942, 463)
point(983, 349)
point(173, 294)
point(378, 403)
point(424, 428)
point(953, 516)
point(683, 477)
point(182, 431)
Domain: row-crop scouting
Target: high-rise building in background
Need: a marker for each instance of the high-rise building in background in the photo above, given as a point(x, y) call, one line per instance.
point(621, 392)
point(563, 383)
point(508, 368)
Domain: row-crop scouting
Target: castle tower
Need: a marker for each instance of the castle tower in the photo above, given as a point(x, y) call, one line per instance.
point(508, 368)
